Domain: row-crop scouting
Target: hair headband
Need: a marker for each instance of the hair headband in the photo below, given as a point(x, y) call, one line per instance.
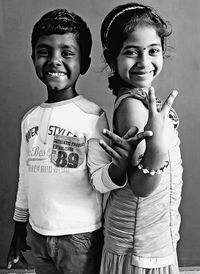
point(119, 13)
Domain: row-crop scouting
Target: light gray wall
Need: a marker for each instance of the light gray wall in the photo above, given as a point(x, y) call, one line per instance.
point(20, 89)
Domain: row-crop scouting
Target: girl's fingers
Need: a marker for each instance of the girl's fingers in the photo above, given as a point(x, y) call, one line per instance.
point(169, 101)
point(152, 101)
point(139, 137)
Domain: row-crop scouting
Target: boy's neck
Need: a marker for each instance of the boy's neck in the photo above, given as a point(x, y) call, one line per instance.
point(57, 96)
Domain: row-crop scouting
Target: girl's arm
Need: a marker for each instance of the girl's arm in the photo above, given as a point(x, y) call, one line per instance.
point(132, 112)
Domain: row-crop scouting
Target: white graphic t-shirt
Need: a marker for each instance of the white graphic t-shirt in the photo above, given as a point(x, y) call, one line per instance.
point(63, 169)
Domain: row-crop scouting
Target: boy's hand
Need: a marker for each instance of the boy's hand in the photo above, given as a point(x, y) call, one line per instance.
point(122, 148)
point(14, 256)
point(18, 245)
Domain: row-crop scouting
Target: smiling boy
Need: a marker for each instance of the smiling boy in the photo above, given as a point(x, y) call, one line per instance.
point(63, 168)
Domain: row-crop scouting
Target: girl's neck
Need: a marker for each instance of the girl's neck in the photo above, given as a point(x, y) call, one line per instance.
point(121, 90)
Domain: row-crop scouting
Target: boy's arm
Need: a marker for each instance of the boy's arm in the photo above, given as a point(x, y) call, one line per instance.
point(18, 242)
point(108, 163)
point(121, 151)
point(21, 205)
point(98, 161)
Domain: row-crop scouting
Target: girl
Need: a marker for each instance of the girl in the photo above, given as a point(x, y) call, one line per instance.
point(142, 219)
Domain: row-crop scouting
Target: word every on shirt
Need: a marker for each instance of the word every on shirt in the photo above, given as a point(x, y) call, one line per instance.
point(53, 130)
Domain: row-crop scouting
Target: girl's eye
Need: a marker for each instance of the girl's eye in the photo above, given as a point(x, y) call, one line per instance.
point(154, 51)
point(133, 53)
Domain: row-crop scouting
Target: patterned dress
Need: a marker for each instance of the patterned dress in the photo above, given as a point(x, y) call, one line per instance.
point(141, 233)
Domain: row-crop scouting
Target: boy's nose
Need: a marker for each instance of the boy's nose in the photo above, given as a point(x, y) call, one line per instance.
point(55, 60)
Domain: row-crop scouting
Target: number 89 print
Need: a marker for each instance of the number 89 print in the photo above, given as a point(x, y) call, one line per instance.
point(68, 151)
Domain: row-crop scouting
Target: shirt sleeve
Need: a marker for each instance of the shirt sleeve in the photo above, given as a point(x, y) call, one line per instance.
point(21, 213)
point(98, 160)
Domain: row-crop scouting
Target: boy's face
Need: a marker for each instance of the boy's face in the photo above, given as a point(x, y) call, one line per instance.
point(57, 62)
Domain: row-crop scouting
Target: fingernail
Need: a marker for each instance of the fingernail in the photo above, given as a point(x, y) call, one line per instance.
point(152, 88)
point(104, 130)
point(15, 260)
point(175, 92)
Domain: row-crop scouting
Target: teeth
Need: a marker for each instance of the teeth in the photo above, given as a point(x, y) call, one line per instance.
point(56, 74)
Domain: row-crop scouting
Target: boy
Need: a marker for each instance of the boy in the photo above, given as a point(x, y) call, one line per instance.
point(63, 169)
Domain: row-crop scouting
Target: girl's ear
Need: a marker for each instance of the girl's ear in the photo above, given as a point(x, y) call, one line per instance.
point(108, 60)
point(85, 64)
point(106, 56)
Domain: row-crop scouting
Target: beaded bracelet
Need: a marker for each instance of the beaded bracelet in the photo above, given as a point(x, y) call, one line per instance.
point(152, 171)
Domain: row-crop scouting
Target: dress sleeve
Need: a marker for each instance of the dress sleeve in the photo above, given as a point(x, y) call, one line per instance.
point(21, 205)
point(98, 160)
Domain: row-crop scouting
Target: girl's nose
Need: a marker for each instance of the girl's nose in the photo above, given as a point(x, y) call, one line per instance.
point(143, 59)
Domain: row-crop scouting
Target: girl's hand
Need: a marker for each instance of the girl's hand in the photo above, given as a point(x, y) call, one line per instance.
point(122, 148)
point(160, 124)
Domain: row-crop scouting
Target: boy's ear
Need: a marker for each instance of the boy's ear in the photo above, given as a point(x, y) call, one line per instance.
point(85, 65)
point(33, 59)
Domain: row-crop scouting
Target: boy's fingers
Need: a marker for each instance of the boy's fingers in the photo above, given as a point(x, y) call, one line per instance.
point(10, 259)
point(131, 133)
point(28, 247)
point(112, 136)
point(119, 141)
point(108, 149)
point(152, 100)
point(22, 259)
point(13, 258)
point(9, 266)
point(170, 100)
point(139, 137)
point(10, 262)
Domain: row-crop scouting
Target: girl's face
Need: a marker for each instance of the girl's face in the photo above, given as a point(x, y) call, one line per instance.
point(141, 58)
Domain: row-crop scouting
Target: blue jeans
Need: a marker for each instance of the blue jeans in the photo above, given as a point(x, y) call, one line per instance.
point(68, 254)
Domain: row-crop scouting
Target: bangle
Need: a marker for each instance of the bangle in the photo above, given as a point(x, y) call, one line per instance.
point(152, 171)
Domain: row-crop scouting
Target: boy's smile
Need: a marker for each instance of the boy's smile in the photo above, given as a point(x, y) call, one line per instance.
point(57, 63)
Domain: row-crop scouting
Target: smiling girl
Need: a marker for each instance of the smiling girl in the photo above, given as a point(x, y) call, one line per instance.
point(142, 219)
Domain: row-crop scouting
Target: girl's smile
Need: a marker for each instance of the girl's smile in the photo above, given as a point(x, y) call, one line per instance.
point(141, 57)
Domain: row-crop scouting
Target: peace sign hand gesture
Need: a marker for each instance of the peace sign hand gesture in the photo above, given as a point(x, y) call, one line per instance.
point(159, 123)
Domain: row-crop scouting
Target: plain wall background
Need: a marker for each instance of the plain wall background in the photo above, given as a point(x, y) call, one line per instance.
point(20, 89)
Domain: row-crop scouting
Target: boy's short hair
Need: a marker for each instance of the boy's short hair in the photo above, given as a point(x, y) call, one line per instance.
point(61, 21)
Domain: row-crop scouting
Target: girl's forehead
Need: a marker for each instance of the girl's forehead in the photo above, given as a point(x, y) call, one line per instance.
point(143, 36)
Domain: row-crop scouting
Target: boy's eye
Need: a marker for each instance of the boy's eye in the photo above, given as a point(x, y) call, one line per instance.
point(67, 53)
point(42, 52)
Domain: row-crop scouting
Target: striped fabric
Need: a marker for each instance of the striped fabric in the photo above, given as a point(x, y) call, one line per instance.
point(21, 215)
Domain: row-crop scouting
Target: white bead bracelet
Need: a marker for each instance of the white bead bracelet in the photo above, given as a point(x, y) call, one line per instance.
point(152, 171)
